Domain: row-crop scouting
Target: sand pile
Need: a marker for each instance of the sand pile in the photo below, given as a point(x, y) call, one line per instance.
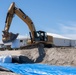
point(52, 56)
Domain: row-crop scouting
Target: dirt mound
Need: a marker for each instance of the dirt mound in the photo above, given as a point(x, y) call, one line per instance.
point(53, 56)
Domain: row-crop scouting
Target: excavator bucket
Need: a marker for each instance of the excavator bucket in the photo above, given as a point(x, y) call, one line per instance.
point(8, 37)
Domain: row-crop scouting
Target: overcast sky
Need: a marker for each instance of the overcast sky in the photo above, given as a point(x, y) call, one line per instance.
point(54, 16)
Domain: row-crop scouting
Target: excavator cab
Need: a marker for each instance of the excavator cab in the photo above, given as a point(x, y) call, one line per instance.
point(39, 36)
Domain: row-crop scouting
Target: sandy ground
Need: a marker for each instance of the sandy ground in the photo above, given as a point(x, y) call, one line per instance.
point(10, 52)
point(7, 73)
point(54, 56)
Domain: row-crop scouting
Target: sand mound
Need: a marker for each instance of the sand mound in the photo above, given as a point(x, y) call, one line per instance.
point(52, 56)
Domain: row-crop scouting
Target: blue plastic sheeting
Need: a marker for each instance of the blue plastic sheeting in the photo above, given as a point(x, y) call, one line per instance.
point(39, 69)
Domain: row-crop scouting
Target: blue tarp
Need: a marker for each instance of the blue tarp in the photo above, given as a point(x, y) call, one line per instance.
point(39, 69)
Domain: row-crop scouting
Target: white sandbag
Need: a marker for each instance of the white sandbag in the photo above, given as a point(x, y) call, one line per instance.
point(5, 59)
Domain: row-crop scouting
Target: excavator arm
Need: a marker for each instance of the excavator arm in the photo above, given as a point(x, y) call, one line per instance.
point(8, 36)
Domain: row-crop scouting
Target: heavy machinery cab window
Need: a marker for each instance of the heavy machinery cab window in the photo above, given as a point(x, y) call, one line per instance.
point(41, 35)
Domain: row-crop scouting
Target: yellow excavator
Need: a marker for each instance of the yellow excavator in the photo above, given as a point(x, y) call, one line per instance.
point(35, 36)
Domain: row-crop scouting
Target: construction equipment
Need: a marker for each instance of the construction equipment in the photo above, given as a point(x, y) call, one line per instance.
point(35, 36)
